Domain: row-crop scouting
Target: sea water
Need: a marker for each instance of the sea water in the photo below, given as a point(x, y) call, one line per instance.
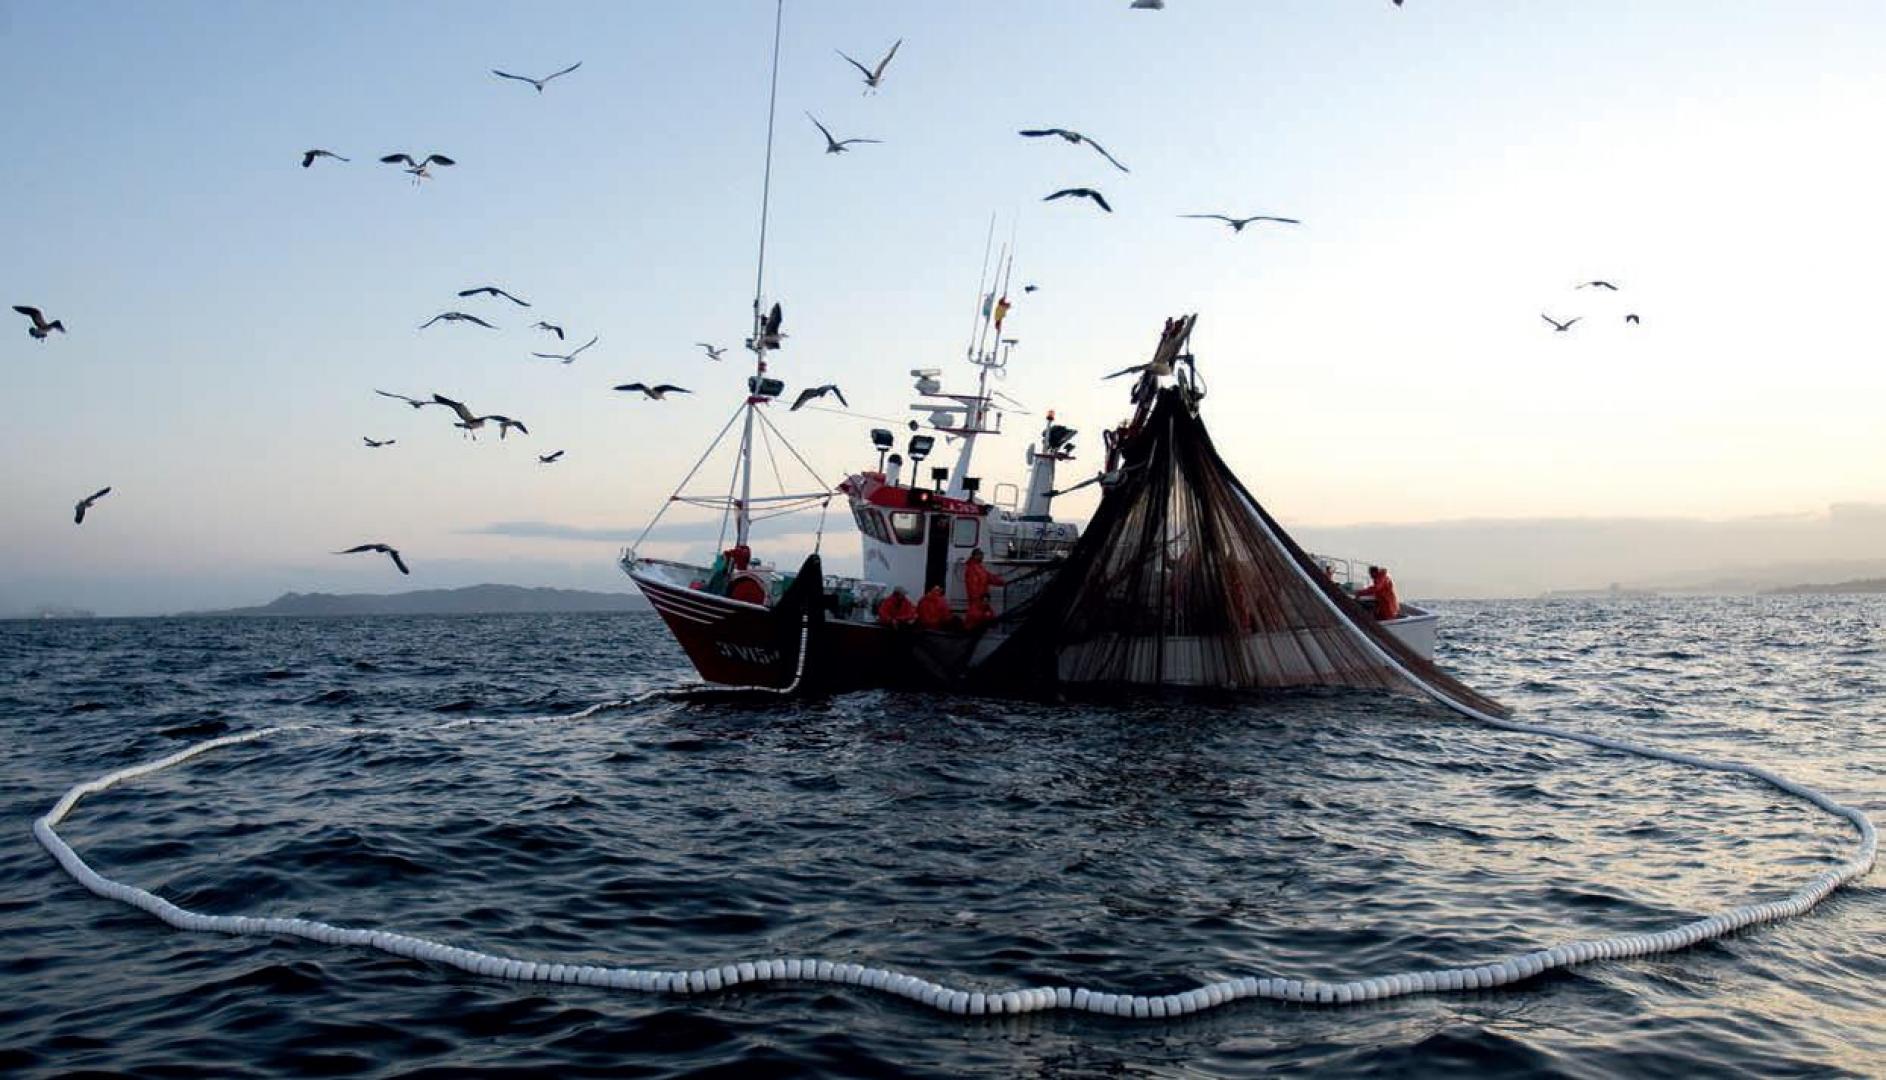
point(1141, 846)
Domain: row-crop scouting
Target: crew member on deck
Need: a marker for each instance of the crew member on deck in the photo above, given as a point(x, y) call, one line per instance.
point(979, 614)
point(896, 609)
point(1382, 588)
point(934, 609)
point(977, 578)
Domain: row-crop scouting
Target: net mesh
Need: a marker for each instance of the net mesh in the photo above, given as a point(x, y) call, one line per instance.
point(1183, 579)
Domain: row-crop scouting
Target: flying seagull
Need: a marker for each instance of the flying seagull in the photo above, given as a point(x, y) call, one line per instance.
point(417, 168)
point(1076, 138)
point(78, 511)
point(1238, 224)
point(812, 392)
point(414, 402)
point(654, 393)
point(552, 327)
point(1599, 285)
point(1081, 192)
point(308, 156)
point(465, 418)
point(565, 357)
point(1030, 288)
point(388, 548)
point(40, 327)
point(872, 76)
point(1160, 5)
point(1558, 326)
point(505, 424)
point(713, 352)
point(456, 316)
point(835, 146)
point(494, 291)
point(1633, 319)
point(538, 83)
point(375, 444)
point(550, 458)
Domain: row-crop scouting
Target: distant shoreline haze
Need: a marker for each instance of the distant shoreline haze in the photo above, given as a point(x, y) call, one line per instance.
point(470, 600)
point(1474, 559)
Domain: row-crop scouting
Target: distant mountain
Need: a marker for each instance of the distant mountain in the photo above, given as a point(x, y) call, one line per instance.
point(471, 600)
point(1870, 585)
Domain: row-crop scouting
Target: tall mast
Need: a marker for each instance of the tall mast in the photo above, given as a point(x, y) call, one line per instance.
point(743, 510)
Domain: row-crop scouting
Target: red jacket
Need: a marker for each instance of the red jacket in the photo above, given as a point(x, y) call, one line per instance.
point(933, 610)
point(977, 579)
point(896, 608)
point(1386, 605)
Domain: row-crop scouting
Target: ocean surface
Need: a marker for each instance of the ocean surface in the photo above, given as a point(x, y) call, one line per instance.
point(1142, 846)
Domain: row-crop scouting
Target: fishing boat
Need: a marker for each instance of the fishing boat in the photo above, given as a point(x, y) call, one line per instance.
point(917, 523)
point(1179, 579)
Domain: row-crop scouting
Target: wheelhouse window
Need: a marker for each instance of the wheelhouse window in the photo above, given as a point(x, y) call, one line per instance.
point(871, 523)
point(965, 534)
point(907, 526)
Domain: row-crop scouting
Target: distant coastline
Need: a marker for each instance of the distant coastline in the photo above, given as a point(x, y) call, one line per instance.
point(470, 600)
point(1866, 585)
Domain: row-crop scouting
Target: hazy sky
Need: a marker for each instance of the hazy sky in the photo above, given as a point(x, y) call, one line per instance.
point(1459, 166)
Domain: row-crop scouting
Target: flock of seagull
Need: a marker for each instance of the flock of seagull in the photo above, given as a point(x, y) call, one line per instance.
point(1561, 327)
point(771, 332)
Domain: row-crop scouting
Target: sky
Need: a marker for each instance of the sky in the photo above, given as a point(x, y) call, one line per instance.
point(1458, 166)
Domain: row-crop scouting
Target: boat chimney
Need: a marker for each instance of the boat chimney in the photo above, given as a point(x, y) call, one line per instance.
point(895, 476)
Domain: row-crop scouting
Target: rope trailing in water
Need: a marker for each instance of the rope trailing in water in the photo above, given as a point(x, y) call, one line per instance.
point(960, 1002)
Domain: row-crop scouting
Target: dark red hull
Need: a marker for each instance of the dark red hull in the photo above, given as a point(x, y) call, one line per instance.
point(739, 644)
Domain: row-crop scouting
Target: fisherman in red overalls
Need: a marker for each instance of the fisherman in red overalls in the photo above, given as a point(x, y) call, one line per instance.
point(1382, 587)
point(977, 578)
point(896, 609)
point(934, 609)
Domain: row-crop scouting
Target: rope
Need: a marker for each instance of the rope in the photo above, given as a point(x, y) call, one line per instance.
point(1499, 971)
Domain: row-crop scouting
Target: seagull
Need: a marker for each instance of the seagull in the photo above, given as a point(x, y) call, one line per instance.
point(565, 357)
point(550, 458)
point(835, 146)
point(78, 511)
point(654, 393)
point(552, 327)
point(40, 327)
point(1238, 224)
point(713, 352)
point(1560, 327)
point(417, 168)
point(873, 76)
point(308, 156)
point(1081, 192)
point(465, 418)
point(1599, 285)
point(1076, 138)
point(375, 444)
point(388, 548)
point(456, 316)
point(1633, 319)
point(1030, 288)
point(1160, 5)
point(505, 424)
point(538, 83)
point(414, 402)
point(770, 334)
point(811, 392)
point(493, 290)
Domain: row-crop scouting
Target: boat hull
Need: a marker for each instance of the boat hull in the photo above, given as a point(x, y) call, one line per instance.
point(735, 643)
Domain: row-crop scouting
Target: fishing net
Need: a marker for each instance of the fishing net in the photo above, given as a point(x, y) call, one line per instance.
point(1183, 579)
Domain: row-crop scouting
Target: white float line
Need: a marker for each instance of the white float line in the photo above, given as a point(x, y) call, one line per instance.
point(1497, 972)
